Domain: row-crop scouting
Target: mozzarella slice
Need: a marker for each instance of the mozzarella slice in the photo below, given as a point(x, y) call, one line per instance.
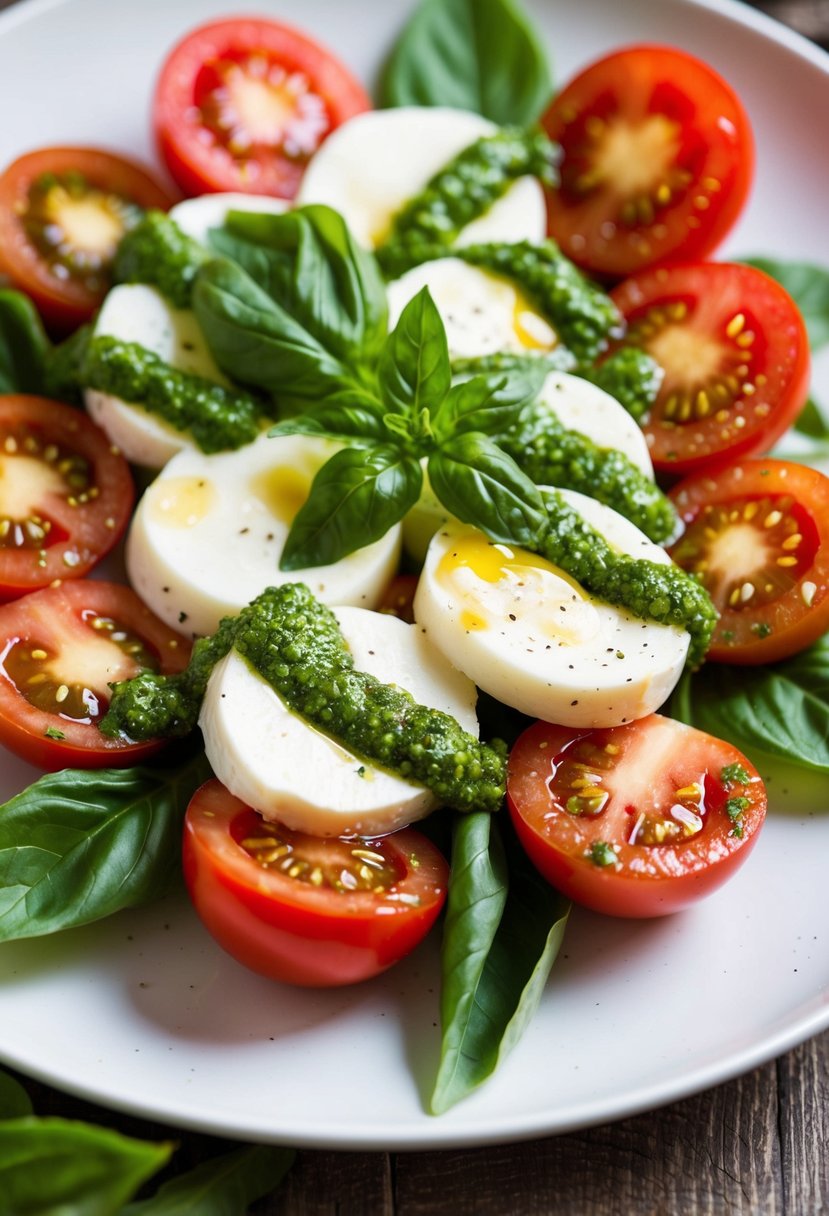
point(208, 535)
point(531, 636)
point(588, 409)
point(371, 166)
point(196, 216)
point(286, 769)
point(134, 312)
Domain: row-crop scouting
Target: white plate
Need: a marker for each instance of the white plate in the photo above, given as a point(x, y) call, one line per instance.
point(143, 1012)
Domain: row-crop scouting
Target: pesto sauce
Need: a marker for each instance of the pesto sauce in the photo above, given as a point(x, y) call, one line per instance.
point(465, 189)
point(218, 418)
point(158, 253)
point(631, 376)
point(295, 643)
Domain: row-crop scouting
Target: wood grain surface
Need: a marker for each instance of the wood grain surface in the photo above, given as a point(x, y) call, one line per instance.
point(755, 1146)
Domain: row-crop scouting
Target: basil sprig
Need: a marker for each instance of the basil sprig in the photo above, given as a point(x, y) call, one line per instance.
point(480, 55)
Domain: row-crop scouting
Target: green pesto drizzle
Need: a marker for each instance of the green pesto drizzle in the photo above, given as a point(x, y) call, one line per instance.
point(631, 376)
point(218, 418)
point(463, 190)
point(295, 643)
point(158, 253)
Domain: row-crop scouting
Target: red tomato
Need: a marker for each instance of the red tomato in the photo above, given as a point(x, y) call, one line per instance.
point(303, 909)
point(62, 647)
point(65, 494)
point(736, 357)
point(243, 104)
point(757, 537)
point(62, 213)
point(658, 157)
point(637, 820)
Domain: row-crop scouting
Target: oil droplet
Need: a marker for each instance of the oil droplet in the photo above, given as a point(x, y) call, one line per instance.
point(182, 502)
point(283, 491)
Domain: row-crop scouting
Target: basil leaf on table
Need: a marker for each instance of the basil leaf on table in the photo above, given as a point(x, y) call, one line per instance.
point(490, 404)
point(414, 372)
point(224, 1186)
point(14, 1101)
point(80, 844)
point(480, 55)
point(355, 498)
point(808, 285)
point(480, 485)
point(24, 347)
point(504, 926)
point(56, 1166)
point(812, 423)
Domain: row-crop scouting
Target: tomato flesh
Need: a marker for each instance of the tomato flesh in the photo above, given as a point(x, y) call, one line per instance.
point(657, 160)
point(756, 534)
point(61, 649)
point(242, 104)
point(307, 910)
point(735, 354)
point(638, 820)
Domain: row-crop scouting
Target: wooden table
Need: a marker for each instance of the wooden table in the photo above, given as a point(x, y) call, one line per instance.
point(758, 1145)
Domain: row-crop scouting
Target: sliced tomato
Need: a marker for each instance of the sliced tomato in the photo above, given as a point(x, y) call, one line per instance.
point(242, 104)
point(307, 910)
point(657, 160)
point(62, 213)
point(65, 494)
point(756, 535)
point(638, 820)
point(735, 353)
point(61, 649)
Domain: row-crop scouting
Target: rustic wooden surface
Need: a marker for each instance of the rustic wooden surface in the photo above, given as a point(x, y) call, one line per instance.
point(756, 1146)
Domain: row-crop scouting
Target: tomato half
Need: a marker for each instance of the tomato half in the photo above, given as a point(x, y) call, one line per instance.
point(65, 493)
point(243, 104)
point(658, 157)
point(307, 910)
point(62, 213)
point(735, 352)
point(61, 649)
point(638, 820)
point(757, 537)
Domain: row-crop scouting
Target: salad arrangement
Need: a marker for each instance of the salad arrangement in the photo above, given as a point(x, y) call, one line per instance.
point(325, 365)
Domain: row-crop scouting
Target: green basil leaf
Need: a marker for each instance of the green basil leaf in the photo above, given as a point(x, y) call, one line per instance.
point(225, 1186)
point(347, 422)
point(504, 926)
point(355, 498)
point(54, 1167)
point(480, 55)
point(811, 421)
point(78, 845)
point(490, 404)
point(810, 669)
point(14, 1101)
point(414, 372)
point(24, 347)
point(480, 485)
point(808, 285)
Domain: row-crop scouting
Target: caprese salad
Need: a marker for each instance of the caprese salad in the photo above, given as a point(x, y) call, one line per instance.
point(456, 462)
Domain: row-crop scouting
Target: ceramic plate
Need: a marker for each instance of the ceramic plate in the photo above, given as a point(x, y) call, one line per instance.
point(143, 1012)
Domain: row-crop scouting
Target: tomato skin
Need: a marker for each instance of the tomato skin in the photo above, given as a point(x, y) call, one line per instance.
point(649, 879)
point(700, 143)
point(752, 393)
point(762, 630)
point(197, 163)
point(64, 303)
point(82, 532)
point(288, 930)
point(53, 618)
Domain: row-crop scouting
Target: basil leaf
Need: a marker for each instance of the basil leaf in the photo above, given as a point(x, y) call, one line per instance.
point(54, 1166)
point(349, 423)
point(502, 933)
point(14, 1101)
point(414, 372)
point(78, 845)
point(812, 422)
point(490, 404)
point(24, 347)
point(808, 285)
point(355, 498)
point(480, 485)
point(225, 1186)
point(480, 55)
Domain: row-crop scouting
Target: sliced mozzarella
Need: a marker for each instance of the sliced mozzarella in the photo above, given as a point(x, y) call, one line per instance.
point(588, 409)
point(134, 312)
point(371, 166)
point(196, 216)
point(527, 633)
point(276, 762)
point(208, 534)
